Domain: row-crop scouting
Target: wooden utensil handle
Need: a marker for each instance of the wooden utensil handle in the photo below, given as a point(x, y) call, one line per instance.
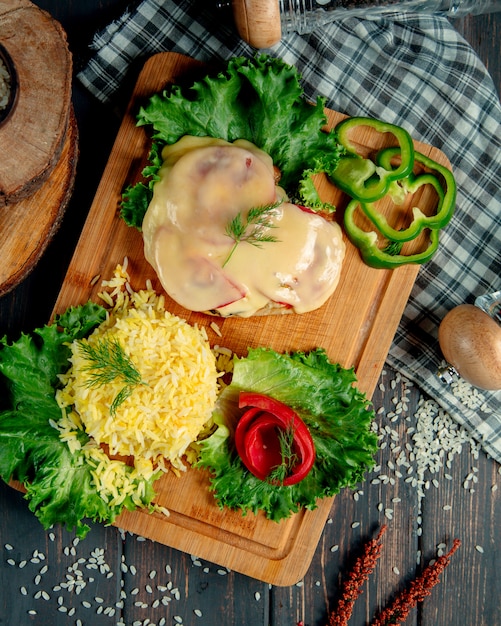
point(258, 22)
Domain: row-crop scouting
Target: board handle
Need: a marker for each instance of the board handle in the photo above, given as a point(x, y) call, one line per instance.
point(257, 22)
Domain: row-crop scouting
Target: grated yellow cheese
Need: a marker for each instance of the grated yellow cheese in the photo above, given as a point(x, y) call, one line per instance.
point(164, 414)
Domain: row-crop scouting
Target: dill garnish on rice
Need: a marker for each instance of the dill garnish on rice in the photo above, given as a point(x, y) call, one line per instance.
point(144, 383)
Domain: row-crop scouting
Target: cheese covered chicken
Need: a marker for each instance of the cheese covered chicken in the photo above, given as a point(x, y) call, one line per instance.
point(210, 254)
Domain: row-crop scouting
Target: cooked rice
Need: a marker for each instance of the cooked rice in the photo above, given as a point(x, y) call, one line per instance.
point(4, 85)
point(166, 412)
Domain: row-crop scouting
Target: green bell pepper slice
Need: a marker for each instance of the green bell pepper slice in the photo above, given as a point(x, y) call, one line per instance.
point(446, 192)
point(361, 178)
point(419, 221)
point(390, 257)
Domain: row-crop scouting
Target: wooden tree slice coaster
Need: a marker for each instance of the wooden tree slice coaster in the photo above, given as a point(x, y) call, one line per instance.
point(28, 226)
point(33, 133)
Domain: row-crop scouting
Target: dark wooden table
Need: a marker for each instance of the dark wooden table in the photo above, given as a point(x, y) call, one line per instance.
point(113, 576)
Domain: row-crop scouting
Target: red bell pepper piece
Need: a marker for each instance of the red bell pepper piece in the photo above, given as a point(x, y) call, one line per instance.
point(257, 438)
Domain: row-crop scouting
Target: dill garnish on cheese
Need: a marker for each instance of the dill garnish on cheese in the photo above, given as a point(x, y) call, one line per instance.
point(144, 383)
point(108, 362)
point(253, 229)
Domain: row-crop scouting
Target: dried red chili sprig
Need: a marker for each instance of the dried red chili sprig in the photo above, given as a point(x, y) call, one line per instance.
point(352, 587)
point(396, 613)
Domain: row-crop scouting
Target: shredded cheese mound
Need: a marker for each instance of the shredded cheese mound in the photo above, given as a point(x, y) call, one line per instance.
point(166, 411)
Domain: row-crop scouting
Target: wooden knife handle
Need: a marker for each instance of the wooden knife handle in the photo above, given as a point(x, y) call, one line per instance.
point(258, 22)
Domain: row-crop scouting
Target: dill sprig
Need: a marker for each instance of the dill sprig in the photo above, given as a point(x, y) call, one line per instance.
point(252, 228)
point(288, 456)
point(107, 363)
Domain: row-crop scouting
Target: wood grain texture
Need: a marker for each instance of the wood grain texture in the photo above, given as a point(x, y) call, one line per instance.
point(356, 327)
point(28, 226)
point(33, 135)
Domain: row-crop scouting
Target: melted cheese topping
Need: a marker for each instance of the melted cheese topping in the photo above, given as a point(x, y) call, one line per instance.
point(204, 183)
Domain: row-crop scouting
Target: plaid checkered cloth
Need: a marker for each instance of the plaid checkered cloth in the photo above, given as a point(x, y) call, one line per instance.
point(414, 70)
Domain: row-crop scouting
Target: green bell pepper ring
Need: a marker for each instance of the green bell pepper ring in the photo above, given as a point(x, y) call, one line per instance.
point(361, 178)
point(389, 258)
point(420, 221)
point(446, 191)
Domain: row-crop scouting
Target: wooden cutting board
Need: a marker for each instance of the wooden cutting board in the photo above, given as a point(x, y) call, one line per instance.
point(356, 328)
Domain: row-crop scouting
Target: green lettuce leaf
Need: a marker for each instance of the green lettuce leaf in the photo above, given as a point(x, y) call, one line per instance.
point(338, 415)
point(58, 482)
point(258, 99)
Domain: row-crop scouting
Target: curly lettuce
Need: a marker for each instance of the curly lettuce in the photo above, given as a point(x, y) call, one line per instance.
point(338, 415)
point(259, 99)
point(59, 482)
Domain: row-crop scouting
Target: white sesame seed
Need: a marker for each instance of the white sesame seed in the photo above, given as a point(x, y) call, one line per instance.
point(197, 612)
point(334, 548)
point(257, 596)
point(479, 549)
